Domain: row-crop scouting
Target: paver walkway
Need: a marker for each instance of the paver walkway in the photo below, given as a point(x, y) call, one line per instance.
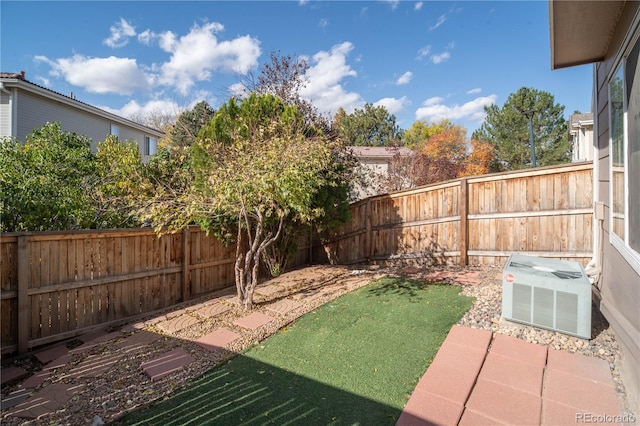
point(477, 378)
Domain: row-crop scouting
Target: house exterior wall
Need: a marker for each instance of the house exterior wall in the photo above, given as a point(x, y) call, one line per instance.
point(25, 107)
point(620, 281)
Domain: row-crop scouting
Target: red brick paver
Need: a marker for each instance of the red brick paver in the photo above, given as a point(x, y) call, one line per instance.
point(478, 378)
point(253, 321)
point(218, 339)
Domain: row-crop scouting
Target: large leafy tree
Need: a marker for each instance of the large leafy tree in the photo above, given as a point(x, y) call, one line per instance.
point(507, 128)
point(46, 181)
point(255, 170)
point(420, 131)
point(189, 123)
point(370, 126)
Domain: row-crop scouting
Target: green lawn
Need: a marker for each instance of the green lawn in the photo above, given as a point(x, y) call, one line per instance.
point(353, 361)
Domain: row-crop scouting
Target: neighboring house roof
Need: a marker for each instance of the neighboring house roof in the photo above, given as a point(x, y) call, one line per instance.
point(581, 119)
point(581, 31)
point(378, 152)
point(8, 80)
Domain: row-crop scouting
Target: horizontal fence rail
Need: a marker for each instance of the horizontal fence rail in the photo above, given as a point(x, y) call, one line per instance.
point(546, 212)
point(56, 285)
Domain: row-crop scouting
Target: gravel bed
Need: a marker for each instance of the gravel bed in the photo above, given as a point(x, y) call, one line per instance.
point(126, 387)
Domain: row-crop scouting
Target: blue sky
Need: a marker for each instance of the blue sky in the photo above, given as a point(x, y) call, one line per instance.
point(422, 60)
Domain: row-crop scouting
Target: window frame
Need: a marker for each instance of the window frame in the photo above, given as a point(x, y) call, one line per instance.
point(621, 243)
point(147, 145)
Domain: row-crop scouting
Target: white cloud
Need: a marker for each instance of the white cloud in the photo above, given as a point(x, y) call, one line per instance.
point(404, 78)
point(146, 37)
point(323, 23)
point(441, 20)
point(417, 6)
point(393, 105)
point(434, 110)
point(100, 75)
point(324, 78)
point(474, 91)
point(120, 33)
point(197, 54)
point(392, 3)
point(153, 107)
point(440, 57)
point(423, 52)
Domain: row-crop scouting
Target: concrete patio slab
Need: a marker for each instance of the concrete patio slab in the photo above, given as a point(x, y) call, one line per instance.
point(467, 336)
point(454, 384)
point(50, 354)
point(452, 355)
point(8, 375)
point(212, 310)
point(177, 324)
point(49, 398)
point(471, 418)
point(253, 321)
point(283, 306)
point(505, 404)
point(582, 366)
point(513, 372)
point(425, 409)
point(582, 394)
point(512, 347)
point(218, 339)
point(554, 413)
point(166, 364)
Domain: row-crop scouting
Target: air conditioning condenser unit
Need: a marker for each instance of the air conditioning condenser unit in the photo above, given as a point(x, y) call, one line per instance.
point(547, 293)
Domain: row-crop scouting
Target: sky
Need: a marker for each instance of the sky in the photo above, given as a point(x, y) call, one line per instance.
point(422, 60)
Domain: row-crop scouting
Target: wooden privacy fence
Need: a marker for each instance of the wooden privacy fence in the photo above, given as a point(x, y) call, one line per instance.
point(56, 285)
point(478, 220)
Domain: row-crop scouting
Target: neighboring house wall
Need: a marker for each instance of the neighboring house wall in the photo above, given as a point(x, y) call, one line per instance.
point(26, 106)
point(581, 137)
point(611, 40)
point(374, 162)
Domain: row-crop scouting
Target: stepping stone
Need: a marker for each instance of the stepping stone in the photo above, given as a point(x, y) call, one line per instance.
point(155, 320)
point(51, 354)
point(283, 306)
point(425, 409)
point(95, 365)
point(218, 339)
point(49, 398)
point(438, 276)
point(253, 321)
point(137, 341)
point(176, 313)
point(208, 311)
point(308, 295)
point(14, 398)
point(468, 278)
point(166, 364)
point(512, 347)
point(59, 362)
point(585, 367)
point(36, 380)
point(11, 374)
point(268, 290)
point(504, 404)
point(90, 344)
point(178, 323)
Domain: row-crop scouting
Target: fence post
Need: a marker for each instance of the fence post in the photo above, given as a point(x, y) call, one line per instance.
point(368, 247)
point(24, 313)
point(186, 255)
point(463, 207)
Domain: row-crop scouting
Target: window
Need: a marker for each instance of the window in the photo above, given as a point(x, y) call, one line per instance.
point(624, 122)
point(150, 145)
point(115, 131)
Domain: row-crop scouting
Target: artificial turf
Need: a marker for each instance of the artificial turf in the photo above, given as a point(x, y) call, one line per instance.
point(353, 361)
